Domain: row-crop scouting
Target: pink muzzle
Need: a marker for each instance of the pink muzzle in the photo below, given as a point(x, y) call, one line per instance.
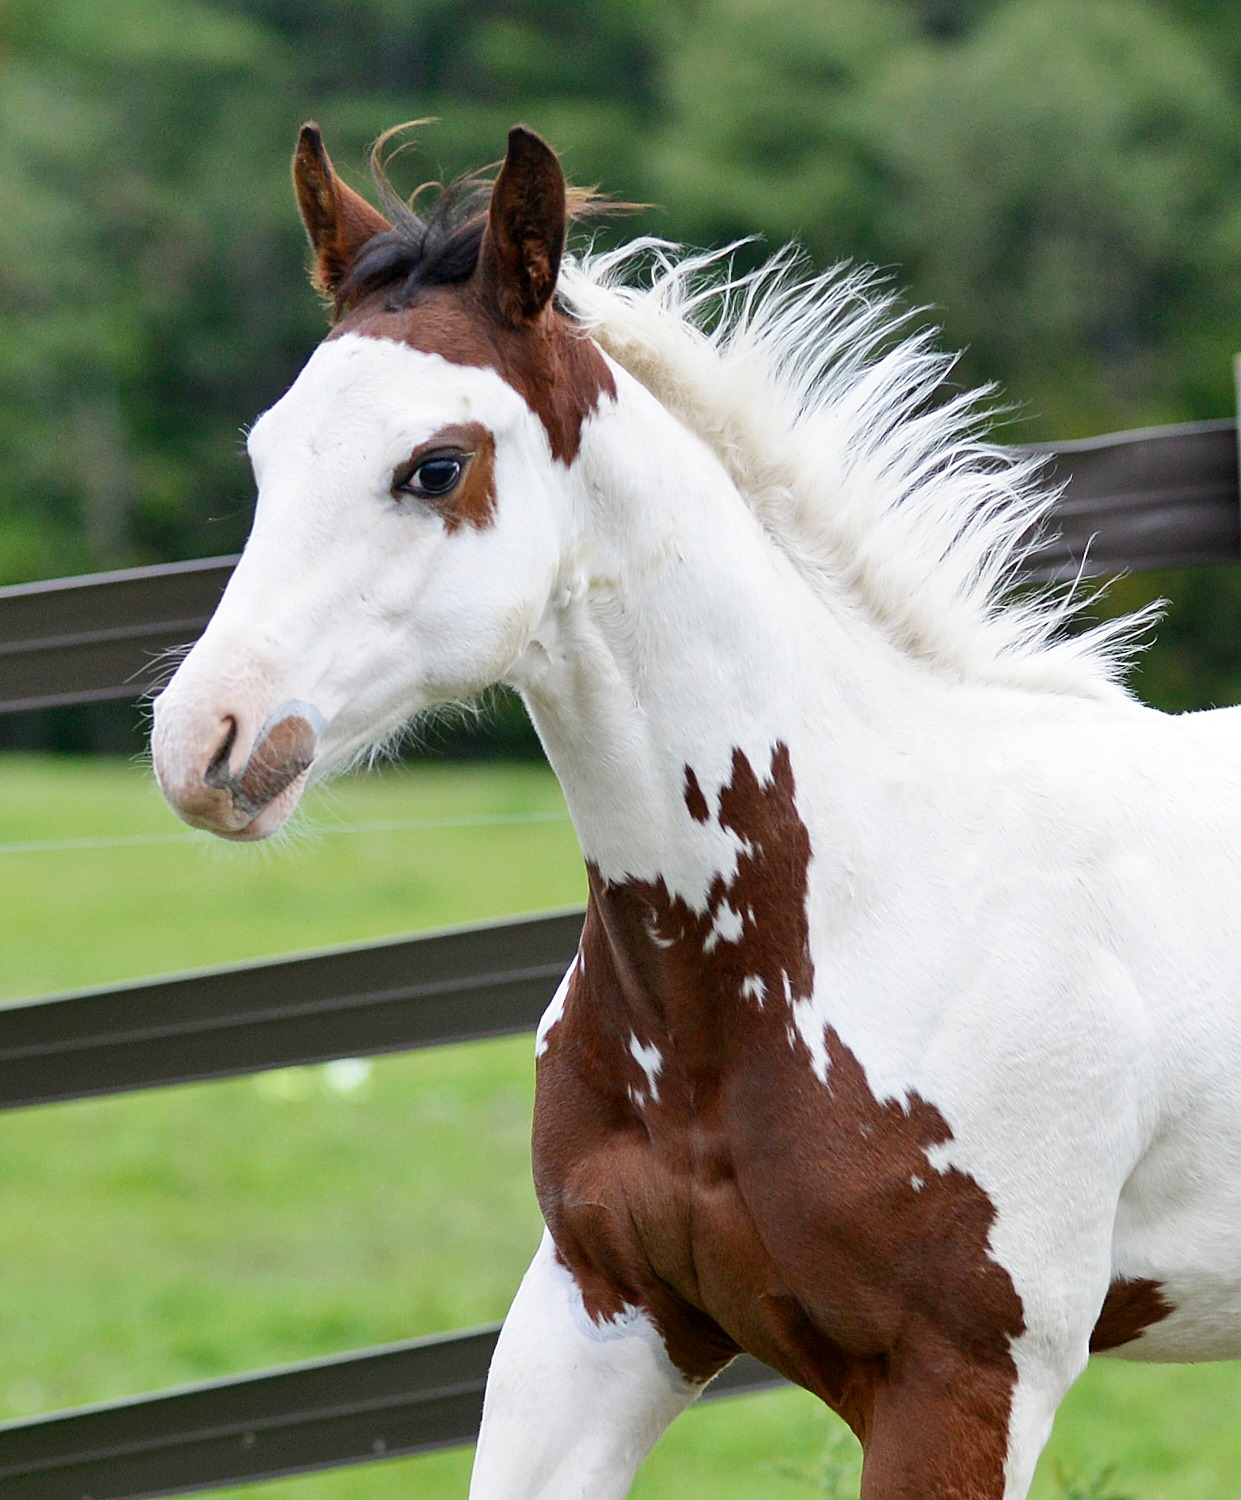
point(254, 800)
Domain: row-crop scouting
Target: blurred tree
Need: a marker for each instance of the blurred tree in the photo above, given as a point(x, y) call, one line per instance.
point(760, 134)
point(1061, 180)
point(138, 266)
point(150, 267)
point(1066, 184)
point(1215, 24)
point(948, 18)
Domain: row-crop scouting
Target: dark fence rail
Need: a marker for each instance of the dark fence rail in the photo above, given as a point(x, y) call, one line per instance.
point(409, 1398)
point(1162, 498)
point(388, 1403)
point(456, 986)
point(106, 635)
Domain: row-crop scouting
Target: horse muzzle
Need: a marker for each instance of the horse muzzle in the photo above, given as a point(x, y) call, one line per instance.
point(209, 785)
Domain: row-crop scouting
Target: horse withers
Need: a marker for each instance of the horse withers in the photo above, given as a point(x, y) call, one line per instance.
point(903, 1045)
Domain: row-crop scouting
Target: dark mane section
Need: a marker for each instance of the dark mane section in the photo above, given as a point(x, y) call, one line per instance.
point(443, 248)
point(440, 250)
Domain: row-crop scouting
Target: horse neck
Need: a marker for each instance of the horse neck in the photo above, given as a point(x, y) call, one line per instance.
point(685, 655)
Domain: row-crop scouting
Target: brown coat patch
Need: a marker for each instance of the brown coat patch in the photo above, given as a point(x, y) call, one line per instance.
point(1129, 1308)
point(752, 1206)
point(695, 799)
point(473, 502)
point(557, 371)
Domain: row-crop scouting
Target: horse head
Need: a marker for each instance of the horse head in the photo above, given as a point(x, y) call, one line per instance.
point(412, 510)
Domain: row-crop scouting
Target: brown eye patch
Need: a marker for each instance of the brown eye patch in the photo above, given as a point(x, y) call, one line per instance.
point(453, 472)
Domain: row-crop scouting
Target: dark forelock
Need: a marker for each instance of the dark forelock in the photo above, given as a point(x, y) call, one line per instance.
point(440, 250)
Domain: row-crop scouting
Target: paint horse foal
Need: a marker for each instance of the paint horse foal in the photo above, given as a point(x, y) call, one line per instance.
point(903, 1047)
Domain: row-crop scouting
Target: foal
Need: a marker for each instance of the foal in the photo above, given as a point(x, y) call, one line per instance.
point(903, 1044)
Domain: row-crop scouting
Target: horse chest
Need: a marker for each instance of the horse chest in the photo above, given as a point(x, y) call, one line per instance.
point(693, 1159)
point(643, 1201)
point(758, 1207)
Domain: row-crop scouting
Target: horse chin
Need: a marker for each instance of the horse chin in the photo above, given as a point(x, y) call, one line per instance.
point(270, 819)
point(227, 821)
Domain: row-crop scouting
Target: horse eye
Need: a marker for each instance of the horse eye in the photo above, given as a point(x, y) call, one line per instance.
point(435, 475)
point(438, 475)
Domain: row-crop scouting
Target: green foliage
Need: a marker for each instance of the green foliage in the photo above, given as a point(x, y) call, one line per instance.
point(763, 98)
point(1065, 184)
point(1062, 182)
point(842, 1465)
point(1098, 1487)
point(137, 276)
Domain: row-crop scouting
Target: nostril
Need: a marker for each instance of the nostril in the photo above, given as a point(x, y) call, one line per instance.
point(217, 775)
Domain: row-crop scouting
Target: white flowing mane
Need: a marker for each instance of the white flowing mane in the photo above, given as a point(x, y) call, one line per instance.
point(826, 423)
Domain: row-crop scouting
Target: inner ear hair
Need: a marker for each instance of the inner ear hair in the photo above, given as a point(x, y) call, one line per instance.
point(339, 222)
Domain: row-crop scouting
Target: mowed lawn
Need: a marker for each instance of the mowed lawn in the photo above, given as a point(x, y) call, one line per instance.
point(190, 1233)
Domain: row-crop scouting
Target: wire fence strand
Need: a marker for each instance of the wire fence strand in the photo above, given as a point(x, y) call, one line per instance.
point(307, 832)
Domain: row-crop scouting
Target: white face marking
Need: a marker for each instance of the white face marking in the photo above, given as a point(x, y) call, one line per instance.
point(754, 988)
point(650, 1060)
point(360, 602)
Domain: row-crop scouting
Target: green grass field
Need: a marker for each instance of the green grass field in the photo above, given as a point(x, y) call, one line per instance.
point(187, 1233)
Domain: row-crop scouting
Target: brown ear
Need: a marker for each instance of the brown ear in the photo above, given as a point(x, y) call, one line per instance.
point(338, 221)
point(525, 228)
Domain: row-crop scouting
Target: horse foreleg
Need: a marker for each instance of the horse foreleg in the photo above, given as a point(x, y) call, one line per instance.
point(572, 1407)
point(945, 1426)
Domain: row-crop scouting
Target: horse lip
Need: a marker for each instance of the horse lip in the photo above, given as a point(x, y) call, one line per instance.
point(283, 750)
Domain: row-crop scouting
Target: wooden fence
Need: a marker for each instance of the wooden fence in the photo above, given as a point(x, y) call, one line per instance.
point(1161, 498)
